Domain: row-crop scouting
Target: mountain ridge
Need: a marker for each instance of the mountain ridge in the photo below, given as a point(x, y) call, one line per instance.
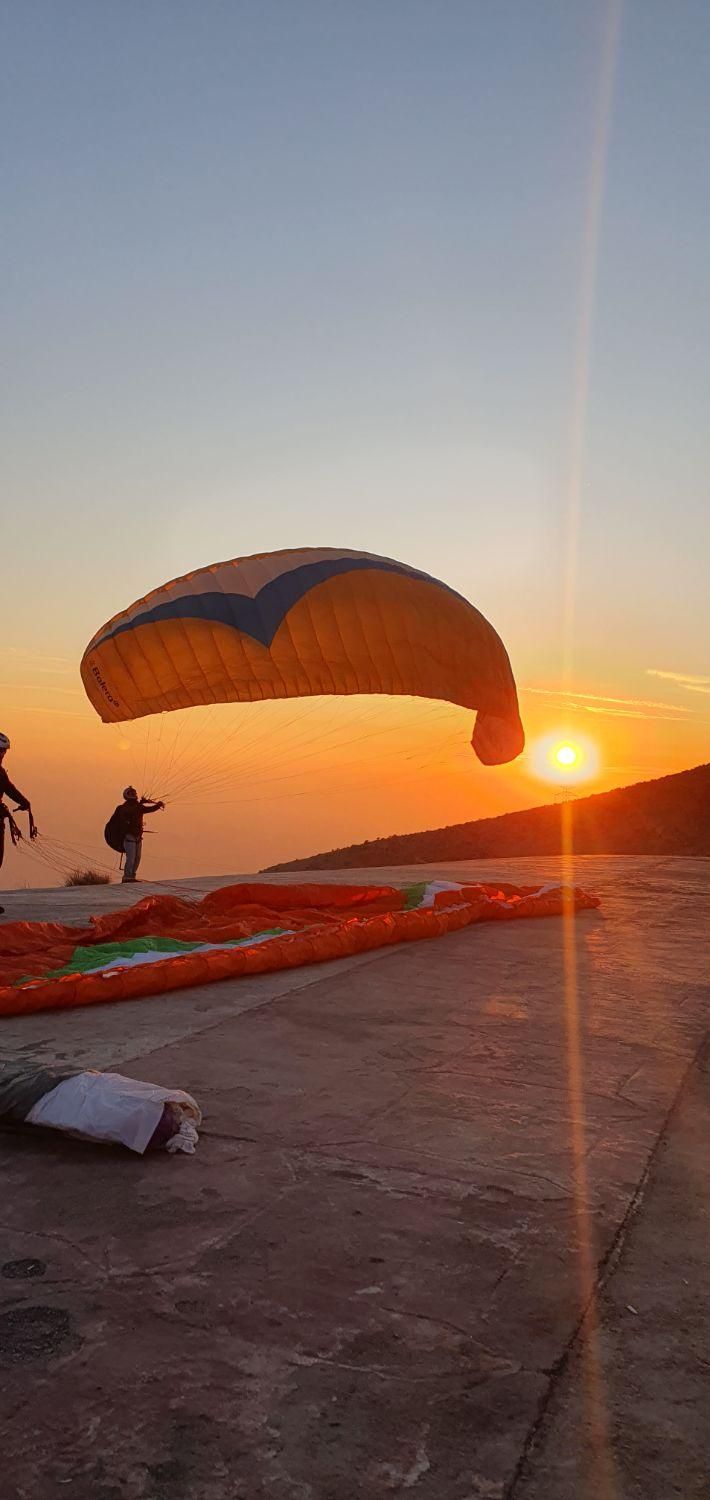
point(668, 815)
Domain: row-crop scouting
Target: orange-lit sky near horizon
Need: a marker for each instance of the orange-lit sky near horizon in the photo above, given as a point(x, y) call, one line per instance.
point(249, 785)
point(430, 283)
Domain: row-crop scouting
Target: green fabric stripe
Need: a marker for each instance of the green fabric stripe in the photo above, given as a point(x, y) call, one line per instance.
point(414, 895)
point(103, 954)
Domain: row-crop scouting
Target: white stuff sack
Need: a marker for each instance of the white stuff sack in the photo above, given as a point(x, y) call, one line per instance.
point(109, 1107)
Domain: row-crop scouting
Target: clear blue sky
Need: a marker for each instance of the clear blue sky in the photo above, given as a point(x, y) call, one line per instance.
point(286, 273)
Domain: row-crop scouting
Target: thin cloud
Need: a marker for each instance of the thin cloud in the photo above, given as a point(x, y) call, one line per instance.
point(607, 704)
point(630, 713)
point(30, 664)
point(31, 708)
point(684, 679)
point(38, 656)
point(657, 770)
point(41, 687)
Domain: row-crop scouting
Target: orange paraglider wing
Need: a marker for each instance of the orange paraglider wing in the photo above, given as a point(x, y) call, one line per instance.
point(302, 623)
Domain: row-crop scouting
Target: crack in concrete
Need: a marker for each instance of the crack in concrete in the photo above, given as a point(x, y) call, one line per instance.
point(506, 1366)
point(384, 1372)
point(548, 1089)
point(311, 1148)
point(52, 1235)
point(345, 966)
point(605, 1270)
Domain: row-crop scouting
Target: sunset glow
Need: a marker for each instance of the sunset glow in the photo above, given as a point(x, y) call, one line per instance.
point(566, 755)
point(565, 760)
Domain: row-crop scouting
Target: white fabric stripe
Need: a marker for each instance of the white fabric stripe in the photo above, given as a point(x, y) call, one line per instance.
point(246, 575)
point(434, 887)
point(160, 955)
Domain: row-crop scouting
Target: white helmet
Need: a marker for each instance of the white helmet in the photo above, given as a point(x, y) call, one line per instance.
point(4, 742)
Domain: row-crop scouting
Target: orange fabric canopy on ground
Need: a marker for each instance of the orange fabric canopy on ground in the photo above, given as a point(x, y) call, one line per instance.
point(166, 943)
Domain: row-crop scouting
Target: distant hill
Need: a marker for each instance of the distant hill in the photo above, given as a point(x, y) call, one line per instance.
point(667, 816)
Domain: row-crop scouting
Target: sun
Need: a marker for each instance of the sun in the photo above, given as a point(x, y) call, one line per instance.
point(566, 756)
point(565, 759)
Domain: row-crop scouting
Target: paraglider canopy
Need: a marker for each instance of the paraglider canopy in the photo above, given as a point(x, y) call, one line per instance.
point(299, 623)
